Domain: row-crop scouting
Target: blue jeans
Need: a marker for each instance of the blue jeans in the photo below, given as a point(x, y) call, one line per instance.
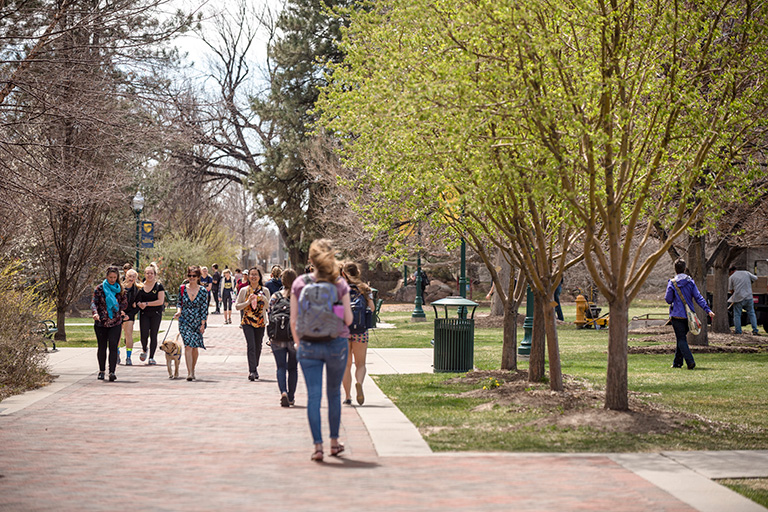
point(285, 358)
point(558, 309)
point(749, 305)
point(683, 351)
point(312, 357)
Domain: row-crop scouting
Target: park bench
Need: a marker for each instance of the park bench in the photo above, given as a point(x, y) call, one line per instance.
point(376, 312)
point(172, 299)
point(47, 329)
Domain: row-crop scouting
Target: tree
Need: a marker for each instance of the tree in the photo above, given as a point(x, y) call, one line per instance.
point(260, 138)
point(73, 128)
point(607, 117)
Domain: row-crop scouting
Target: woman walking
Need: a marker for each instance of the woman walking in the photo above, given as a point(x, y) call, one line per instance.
point(227, 295)
point(192, 312)
point(283, 347)
point(679, 287)
point(252, 303)
point(358, 340)
point(313, 354)
point(131, 292)
point(150, 301)
point(108, 307)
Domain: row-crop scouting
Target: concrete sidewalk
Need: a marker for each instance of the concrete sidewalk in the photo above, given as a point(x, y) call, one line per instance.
point(149, 443)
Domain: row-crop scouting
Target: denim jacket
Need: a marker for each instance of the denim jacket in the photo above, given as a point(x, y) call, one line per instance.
point(690, 292)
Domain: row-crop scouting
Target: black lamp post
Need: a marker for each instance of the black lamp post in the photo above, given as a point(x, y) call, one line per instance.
point(418, 314)
point(138, 205)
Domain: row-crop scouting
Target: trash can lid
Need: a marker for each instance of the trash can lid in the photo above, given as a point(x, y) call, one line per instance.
point(454, 301)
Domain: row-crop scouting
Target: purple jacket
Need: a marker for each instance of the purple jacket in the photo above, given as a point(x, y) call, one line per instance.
point(689, 291)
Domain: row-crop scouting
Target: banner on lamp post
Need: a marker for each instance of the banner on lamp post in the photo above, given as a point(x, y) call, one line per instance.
point(147, 235)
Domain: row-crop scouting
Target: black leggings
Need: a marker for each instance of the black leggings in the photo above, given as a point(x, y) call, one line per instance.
point(107, 337)
point(215, 293)
point(226, 300)
point(149, 323)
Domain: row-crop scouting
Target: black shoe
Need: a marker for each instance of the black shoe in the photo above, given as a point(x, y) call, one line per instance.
point(256, 375)
point(692, 366)
point(348, 401)
point(251, 377)
point(675, 366)
point(284, 402)
point(112, 377)
point(101, 376)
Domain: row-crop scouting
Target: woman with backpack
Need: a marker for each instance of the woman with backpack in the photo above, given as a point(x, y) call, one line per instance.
point(252, 303)
point(361, 299)
point(279, 333)
point(320, 314)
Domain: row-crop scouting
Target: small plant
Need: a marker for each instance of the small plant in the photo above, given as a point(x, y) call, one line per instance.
point(491, 383)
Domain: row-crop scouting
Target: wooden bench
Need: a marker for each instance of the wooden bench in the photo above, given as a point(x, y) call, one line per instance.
point(47, 329)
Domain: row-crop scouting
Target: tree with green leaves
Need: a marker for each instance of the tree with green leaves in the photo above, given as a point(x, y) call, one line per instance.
point(607, 118)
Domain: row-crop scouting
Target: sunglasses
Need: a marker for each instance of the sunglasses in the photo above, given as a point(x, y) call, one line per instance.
point(193, 275)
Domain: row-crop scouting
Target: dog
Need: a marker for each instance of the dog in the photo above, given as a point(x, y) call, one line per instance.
point(172, 349)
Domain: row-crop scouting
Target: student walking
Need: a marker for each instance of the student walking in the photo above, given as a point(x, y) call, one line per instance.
point(192, 312)
point(227, 294)
point(150, 300)
point(361, 299)
point(216, 287)
point(252, 302)
point(108, 307)
point(131, 292)
point(281, 339)
point(682, 284)
point(320, 314)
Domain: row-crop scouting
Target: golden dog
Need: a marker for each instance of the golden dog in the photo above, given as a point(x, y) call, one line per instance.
point(172, 349)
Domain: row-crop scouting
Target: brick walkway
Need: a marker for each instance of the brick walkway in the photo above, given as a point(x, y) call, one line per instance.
point(148, 443)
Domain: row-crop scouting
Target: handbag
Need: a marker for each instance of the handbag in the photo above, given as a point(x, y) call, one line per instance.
point(694, 324)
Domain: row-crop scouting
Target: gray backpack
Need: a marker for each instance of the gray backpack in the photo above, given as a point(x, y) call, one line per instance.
point(316, 320)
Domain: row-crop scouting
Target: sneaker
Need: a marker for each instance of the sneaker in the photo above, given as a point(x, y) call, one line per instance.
point(100, 376)
point(291, 402)
point(251, 377)
point(692, 366)
point(256, 375)
point(128, 361)
point(152, 361)
point(112, 377)
point(143, 356)
point(284, 402)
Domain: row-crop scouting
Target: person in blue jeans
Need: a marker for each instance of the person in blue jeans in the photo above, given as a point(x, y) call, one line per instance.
point(677, 314)
point(740, 284)
point(314, 355)
point(284, 351)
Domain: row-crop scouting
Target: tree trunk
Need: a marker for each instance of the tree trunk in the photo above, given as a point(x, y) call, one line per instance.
point(497, 304)
point(553, 350)
point(697, 266)
point(537, 362)
point(509, 343)
point(720, 289)
point(616, 396)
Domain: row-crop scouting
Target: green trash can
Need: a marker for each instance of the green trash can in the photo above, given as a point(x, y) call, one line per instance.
point(454, 337)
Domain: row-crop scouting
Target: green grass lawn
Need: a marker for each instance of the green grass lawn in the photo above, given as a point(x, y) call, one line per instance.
point(726, 393)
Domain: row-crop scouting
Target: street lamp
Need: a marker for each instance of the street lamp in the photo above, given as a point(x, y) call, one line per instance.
point(138, 205)
point(418, 314)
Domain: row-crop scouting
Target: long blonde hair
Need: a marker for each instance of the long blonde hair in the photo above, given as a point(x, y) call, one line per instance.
point(322, 257)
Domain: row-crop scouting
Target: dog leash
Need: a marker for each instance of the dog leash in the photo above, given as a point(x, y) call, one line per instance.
point(167, 331)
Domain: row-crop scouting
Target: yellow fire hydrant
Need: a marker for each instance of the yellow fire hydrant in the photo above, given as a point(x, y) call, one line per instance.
point(581, 307)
